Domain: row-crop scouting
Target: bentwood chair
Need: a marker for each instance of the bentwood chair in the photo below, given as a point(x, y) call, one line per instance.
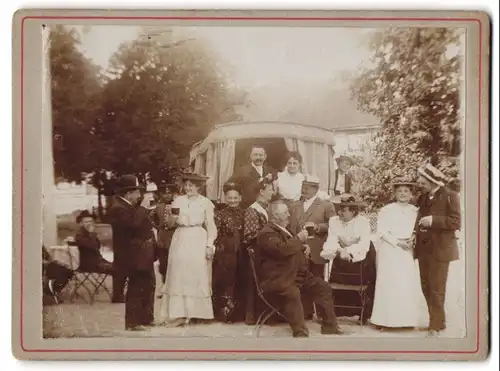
point(271, 310)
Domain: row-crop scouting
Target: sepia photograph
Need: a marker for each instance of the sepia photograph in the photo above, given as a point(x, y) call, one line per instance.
point(255, 183)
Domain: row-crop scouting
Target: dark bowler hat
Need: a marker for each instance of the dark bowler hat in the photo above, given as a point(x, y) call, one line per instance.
point(129, 183)
point(84, 214)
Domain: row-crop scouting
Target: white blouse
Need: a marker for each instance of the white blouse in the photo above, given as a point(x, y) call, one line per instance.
point(359, 226)
point(198, 211)
point(290, 186)
point(395, 222)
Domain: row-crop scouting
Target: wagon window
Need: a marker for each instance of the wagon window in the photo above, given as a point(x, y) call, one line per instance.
point(275, 148)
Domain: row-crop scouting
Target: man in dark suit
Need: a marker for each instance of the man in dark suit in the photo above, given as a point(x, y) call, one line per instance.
point(248, 176)
point(284, 274)
point(436, 246)
point(89, 246)
point(135, 251)
point(343, 180)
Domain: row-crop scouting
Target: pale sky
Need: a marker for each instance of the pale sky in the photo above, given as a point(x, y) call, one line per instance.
point(258, 55)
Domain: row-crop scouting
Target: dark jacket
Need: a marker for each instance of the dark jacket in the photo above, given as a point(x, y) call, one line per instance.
point(165, 233)
point(134, 247)
point(89, 248)
point(318, 213)
point(347, 184)
point(248, 178)
point(439, 239)
point(281, 259)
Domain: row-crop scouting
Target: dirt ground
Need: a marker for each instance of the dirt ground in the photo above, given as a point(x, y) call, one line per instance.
point(104, 319)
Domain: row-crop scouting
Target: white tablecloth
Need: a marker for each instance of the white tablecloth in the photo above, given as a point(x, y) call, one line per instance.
point(65, 255)
point(69, 256)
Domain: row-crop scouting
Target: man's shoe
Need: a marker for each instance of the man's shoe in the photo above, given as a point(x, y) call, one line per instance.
point(301, 334)
point(332, 330)
point(137, 328)
point(118, 300)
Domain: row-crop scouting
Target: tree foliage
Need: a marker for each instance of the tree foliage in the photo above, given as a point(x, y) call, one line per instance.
point(412, 87)
point(161, 98)
point(75, 90)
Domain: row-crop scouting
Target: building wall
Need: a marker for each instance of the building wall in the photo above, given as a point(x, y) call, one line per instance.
point(355, 142)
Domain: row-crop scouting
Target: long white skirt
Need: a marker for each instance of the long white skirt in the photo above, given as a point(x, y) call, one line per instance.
point(187, 290)
point(397, 300)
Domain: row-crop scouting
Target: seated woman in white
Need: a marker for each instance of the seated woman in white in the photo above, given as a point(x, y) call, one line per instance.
point(397, 286)
point(289, 182)
point(348, 240)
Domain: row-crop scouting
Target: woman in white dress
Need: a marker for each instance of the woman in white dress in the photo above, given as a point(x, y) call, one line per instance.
point(187, 290)
point(289, 182)
point(396, 302)
point(348, 240)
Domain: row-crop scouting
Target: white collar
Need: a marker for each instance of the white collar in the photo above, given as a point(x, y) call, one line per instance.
point(311, 200)
point(127, 201)
point(260, 209)
point(433, 192)
point(283, 229)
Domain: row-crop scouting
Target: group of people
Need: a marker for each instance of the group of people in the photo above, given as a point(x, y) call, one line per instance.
point(299, 239)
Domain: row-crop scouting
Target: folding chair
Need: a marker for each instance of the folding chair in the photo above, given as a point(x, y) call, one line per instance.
point(92, 282)
point(361, 281)
point(271, 309)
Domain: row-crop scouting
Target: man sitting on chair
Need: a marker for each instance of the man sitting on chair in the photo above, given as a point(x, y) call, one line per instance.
point(89, 246)
point(284, 274)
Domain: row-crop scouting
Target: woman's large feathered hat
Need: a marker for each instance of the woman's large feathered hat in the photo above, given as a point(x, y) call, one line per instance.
point(347, 199)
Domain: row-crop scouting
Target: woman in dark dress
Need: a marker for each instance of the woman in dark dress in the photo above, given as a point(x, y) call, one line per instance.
point(229, 222)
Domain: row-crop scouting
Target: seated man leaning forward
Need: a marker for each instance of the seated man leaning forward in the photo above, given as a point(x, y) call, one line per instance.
point(284, 274)
point(89, 246)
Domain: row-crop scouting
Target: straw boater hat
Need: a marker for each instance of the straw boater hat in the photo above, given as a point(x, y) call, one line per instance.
point(347, 199)
point(311, 180)
point(402, 181)
point(344, 158)
point(129, 183)
point(433, 174)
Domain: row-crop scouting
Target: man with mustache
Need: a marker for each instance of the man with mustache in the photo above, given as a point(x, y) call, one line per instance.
point(249, 176)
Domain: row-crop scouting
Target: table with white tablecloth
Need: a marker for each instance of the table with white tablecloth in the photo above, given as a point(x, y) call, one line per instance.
point(69, 255)
point(66, 255)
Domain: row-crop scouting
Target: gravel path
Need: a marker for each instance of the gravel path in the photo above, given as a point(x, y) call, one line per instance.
point(104, 319)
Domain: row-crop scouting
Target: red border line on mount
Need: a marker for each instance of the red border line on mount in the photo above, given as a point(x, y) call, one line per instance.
point(478, 21)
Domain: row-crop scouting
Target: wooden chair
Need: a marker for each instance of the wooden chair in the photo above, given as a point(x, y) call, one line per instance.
point(271, 310)
point(359, 279)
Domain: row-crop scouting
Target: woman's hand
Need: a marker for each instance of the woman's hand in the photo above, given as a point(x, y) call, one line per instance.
point(348, 241)
point(344, 255)
point(307, 251)
point(209, 252)
point(328, 254)
point(404, 244)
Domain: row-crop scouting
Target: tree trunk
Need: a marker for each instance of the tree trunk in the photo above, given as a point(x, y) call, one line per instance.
point(99, 184)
